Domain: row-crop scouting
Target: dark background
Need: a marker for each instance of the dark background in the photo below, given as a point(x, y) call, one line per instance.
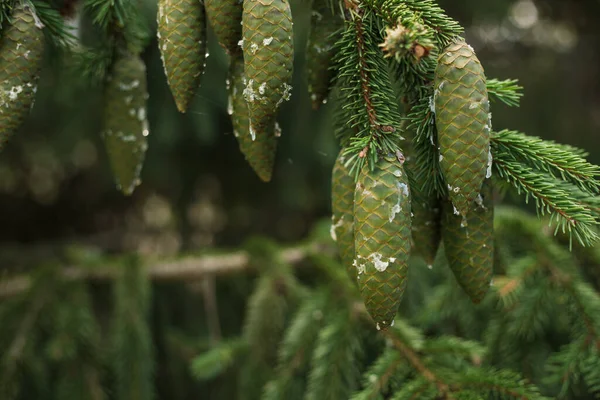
point(198, 192)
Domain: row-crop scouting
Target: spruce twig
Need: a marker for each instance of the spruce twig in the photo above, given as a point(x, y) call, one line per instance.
point(56, 30)
point(558, 160)
point(507, 91)
point(414, 359)
point(551, 196)
point(334, 366)
point(377, 379)
point(5, 10)
point(370, 107)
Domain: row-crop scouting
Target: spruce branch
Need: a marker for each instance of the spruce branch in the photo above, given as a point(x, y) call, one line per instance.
point(378, 379)
point(446, 28)
point(121, 22)
point(419, 388)
point(544, 155)
point(397, 338)
point(132, 359)
point(92, 63)
point(450, 345)
point(58, 33)
point(550, 273)
point(334, 366)
point(218, 359)
point(552, 196)
point(586, 302)
point(507, 91)
point(563, 367)
point(5, 10)
point(391, 11)
point(502, 384)
point(295, 348)
point(265, 317)
point(370, 107)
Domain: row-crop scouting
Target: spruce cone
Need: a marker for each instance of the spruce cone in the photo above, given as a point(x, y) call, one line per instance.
point(463, 123)
point(225, 17)
point(469, 244)
point(21, 51)
point(268, 60)
point(382, 237)
point(260, 152)
point(426, 224)
point(342, 205)
point(320, 50)
point(182, 43)
point(126, 126)
point(426, 207)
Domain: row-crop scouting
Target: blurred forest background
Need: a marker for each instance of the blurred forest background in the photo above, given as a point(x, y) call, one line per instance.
point(197, 191)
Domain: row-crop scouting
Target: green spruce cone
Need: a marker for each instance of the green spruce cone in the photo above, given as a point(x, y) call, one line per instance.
point(463, 123)
point(382, 234)
point(319, 51)
point(182, 43)
point(21, 51)
point(426, 207)
point(426, 224)
point(225, 17)
point(260, 152)
point(268, 60)
point(469, 244)
point(126, 127)
point(342, 219)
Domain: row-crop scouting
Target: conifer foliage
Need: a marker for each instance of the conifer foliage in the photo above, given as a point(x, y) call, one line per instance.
point(419, 169)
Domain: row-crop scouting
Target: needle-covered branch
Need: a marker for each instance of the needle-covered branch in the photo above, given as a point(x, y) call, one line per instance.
point(552, 196)
point(370, 108)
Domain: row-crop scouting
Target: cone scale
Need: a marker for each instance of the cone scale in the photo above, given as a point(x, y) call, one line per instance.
point(182, 43)
point(469, 244)
point(21, 51)
point(382, 232)
point(463, 123)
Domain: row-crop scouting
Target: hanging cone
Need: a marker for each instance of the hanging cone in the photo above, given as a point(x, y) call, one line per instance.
point(182, 43)
point(260, 151)
point(463, 123)
point(469, 244)
point(426, 207)
point(320, 49)
point(268, 60)
point(21, 51)
point(225, 17)
point(426, 224)
point(342, 205)
point(126, 127)
point(382, 237)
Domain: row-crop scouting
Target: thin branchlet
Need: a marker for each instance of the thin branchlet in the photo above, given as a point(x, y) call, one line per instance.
point(369, 110)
